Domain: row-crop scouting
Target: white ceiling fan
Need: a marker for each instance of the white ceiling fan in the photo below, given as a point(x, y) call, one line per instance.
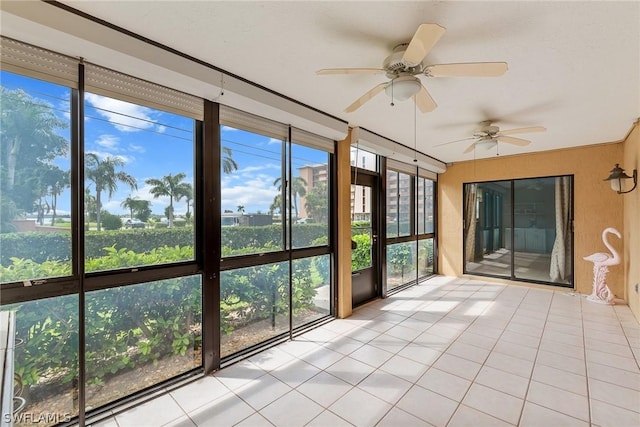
point(488, 136)
point(405, 63)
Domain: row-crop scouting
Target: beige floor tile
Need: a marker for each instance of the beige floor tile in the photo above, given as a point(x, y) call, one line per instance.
point(428, 406)
point(568, 403)
point(292, 409)
point(360, 408)
point(494, 403)
point(469, 417)
point(445, 384)
point(538, 416)
point(503, 381)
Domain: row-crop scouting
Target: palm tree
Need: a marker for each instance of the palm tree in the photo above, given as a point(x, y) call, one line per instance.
point(105, 178)
point(241, 209)
point(170, 185)
point(89, 205)
point(58, 180)
point(228, 164)
point(298, 189)
point(188, 198)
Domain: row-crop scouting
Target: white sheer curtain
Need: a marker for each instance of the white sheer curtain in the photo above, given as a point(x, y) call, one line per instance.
point(470, 201)
point(560, 269)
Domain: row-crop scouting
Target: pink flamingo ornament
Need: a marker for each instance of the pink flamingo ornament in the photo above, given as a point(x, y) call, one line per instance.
point(601, 262)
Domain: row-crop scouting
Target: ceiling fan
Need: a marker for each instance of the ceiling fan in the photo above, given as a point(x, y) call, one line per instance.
point(488, 136)
point(405, 63)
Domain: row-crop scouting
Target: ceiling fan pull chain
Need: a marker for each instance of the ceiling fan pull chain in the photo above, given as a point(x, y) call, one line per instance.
point(392, 104)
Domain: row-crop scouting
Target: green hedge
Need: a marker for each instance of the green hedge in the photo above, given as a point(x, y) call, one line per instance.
point(56, 246)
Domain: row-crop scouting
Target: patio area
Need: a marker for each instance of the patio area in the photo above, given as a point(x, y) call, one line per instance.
point(447, 352)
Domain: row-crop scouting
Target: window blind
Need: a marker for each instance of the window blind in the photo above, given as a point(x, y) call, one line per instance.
point(312, 140)
point(32, 61)
point(402, 167)
point(106, 82)
point(246, 121)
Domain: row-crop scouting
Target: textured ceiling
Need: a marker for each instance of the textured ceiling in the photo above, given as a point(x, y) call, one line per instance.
point(574, 67)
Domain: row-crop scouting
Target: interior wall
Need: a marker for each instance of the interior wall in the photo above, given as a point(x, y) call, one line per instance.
point(596, 206)
point(631, 160)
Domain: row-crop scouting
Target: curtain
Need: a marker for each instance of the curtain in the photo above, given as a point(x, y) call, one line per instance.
point(561, 254)
point(470, 200)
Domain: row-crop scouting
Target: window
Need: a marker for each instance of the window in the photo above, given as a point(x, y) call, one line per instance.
point(410, 229)
point(138, 208)
point(35, 180)
point(310, 196)
point(520, 229)
point(46, 357)
point(141, 335)
point(252, 192)
point(275, 240)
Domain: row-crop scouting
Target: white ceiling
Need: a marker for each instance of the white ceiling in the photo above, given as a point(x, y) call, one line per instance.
point(574, 67)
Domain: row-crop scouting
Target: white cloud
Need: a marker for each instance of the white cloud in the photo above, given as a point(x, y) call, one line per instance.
point(102, 155)
point(137, 148)
point(124, 116)
point(110, 142)
point(273, 141)
point(228, 129)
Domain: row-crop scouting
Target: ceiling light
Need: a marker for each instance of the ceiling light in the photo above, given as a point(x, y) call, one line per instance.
point(403, 88)
point(486, 143)
point(617, 178)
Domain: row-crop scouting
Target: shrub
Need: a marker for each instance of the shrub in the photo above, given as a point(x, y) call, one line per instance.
point(111, 222)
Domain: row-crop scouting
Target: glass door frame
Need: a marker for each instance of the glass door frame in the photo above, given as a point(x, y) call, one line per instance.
point(370, 179)
point(512, 276)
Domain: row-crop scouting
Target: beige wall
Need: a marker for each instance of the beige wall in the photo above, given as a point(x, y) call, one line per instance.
point(596, 206)
point(631, 235)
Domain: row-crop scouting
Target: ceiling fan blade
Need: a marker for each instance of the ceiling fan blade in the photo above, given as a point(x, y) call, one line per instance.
point(457, 140)
point(426, 36)
point(424, 101)
point(470, 148)
point(523, 130)
point(327, 71)
point(513, 140)
point(469, 69)
point(366, 97)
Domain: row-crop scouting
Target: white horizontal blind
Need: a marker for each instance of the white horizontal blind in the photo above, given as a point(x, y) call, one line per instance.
point(246, 121)
point(32, 61)
point(402, 167)
point(427, 174)
point(312, 140)
point(106, 82)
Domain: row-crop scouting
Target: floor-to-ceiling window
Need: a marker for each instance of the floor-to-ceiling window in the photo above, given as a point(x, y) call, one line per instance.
point(98, 238)
point(104, 224)
point(276, 269)
point(520, 229)
point(409, 224)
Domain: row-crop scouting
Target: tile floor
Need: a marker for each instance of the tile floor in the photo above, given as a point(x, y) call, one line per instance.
point(448, 352)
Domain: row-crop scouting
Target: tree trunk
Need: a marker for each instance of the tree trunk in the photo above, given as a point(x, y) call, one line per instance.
point(12, 158)
point(98, 208)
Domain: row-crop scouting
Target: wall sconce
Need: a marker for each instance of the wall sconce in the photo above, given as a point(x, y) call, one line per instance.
point(618, 177)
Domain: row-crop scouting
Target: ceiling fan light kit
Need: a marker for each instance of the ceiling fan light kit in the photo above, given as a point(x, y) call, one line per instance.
point(406, 62)
point(403, 87)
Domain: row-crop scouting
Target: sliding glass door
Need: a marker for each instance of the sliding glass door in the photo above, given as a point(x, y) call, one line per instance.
point(520, 229)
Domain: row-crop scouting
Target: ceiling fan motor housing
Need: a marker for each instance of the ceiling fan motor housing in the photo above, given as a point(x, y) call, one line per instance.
point(486, 130)
point(394, 65)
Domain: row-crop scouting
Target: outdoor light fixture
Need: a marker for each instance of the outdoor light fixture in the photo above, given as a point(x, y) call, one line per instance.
point(618, 177)
point(403, 88)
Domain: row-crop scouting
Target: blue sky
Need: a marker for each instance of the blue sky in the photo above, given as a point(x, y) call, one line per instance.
point(153, 143)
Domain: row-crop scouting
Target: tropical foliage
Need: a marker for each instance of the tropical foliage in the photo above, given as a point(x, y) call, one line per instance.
point(105, 177)
point(31, 136)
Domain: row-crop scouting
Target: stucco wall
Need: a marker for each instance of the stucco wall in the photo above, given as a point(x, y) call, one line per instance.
point(595, 205)
point(631, 160)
